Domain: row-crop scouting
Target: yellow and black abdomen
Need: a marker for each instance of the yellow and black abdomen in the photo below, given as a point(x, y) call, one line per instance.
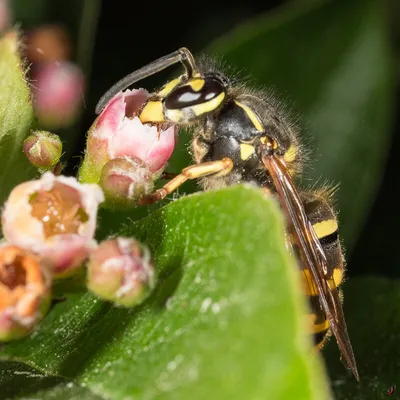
point(324, 221)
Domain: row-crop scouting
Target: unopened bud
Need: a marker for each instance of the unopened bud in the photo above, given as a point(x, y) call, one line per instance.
point(57, 93)
point(124, 181)
point(24, 292)
point(43, 149)
point(121, 270)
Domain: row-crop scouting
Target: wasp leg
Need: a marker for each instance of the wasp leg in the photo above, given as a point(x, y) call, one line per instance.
point(223, 166)
point(168, 175)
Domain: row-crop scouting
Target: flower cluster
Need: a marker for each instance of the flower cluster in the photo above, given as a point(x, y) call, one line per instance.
point(49, 223)
point(49, 226)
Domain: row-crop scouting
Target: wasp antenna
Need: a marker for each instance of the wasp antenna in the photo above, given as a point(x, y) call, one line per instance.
point(183, 55)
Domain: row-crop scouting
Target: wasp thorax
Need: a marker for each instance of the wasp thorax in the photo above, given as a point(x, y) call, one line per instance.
point(194, 93)
point(59, 209)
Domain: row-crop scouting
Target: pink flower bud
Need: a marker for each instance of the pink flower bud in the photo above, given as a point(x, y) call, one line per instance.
point(120, 270)
point(54, 217)
point(57, 92)
point(24, 292)
point(124, 181)
point(43, 149)
point(116, 134)
point(5, 15)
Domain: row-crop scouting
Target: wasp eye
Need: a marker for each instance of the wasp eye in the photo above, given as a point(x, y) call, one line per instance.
point(196, 91)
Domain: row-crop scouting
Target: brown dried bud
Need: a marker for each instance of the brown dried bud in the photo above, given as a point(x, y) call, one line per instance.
point(24, 292)
point(49, 43)
point(120, 270)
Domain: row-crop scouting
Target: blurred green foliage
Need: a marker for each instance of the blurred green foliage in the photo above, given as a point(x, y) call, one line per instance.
point(16, 118)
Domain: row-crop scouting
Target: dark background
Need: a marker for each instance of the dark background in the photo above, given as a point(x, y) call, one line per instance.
point(130, 34)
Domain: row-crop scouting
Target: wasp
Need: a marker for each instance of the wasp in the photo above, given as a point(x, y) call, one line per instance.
point(240, 135)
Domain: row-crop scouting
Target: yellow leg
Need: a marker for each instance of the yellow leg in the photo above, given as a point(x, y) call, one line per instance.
point(193, 172)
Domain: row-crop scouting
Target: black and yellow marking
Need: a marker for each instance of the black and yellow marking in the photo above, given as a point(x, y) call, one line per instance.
point(197, 84)
point(324, 222)
point(208, 106)
point(317, 320)
point(290, 154)
point(246, 151)
point(152, 112)
point(252, 116)
point(169, 87)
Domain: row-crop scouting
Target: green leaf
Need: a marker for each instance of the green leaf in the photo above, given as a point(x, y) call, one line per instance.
point(226, 320)
point(16, 117)
point(20, 380)
point(373, 317)
point(329, 61)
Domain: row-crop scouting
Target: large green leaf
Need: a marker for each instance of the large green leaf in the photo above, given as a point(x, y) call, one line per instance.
point(224, 322)
point(371, 306)
point(329, 61)
point(16, 116)
point(22, 381)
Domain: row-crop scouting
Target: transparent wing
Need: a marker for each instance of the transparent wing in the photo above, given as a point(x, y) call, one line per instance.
point(311, 254)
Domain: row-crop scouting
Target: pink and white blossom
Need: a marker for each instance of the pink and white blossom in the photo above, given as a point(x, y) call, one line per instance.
point(119, 133)
point(54, 217)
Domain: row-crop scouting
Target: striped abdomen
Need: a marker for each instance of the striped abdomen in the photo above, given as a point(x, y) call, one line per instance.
point(323, 219)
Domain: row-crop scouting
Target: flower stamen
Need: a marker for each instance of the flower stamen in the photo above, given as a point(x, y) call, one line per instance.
point(60, 210)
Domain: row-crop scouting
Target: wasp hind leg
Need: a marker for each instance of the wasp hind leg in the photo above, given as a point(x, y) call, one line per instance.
point(320, 212)
point(223, 166)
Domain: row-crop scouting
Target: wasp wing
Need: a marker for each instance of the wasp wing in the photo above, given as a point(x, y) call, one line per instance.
point(311, 254)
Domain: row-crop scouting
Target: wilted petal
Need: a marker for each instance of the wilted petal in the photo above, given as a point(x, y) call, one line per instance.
point(25, 285)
